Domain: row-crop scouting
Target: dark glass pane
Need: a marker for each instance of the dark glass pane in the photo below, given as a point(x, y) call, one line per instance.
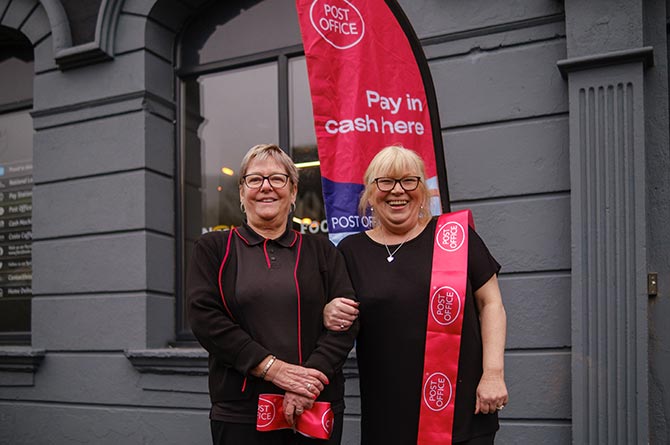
point(230, 29)
point(309, 205)
point(15, 314)
point(16, 179)
point(16, 68)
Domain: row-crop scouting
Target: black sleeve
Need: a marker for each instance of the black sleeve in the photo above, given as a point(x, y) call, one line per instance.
point(216, 331)
point(333, 347)
point(481, 264)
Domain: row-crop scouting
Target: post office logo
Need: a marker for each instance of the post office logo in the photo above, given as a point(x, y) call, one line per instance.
point(445, 305)
point(450, 237)
point(327, 421)
point(437, 391)
point(338, 22)
point(266, 412)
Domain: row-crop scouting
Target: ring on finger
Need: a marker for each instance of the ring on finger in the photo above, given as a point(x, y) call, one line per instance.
point(309, 387)
point(298, 410)
point(500, 408)
point(341, 325)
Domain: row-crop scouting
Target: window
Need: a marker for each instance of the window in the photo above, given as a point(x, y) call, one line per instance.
point(242, 81)
point(16, 148)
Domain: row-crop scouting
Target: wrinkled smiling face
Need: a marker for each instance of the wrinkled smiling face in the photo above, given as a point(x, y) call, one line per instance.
point(397, 208)
point(267, 204)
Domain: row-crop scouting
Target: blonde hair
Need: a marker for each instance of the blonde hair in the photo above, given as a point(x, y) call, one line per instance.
point(395, 161)
point(264, 151)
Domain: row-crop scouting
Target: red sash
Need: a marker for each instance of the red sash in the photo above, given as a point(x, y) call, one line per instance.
point(443, 333)
point(316, 423)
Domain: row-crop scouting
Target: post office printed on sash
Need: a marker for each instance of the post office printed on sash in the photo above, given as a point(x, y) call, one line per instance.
point(445, 305)
point(338, 22)
point(450, 237)
point(434, 391)
point(266, 412)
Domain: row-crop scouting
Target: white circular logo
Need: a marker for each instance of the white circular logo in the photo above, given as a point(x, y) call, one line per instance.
point(338, 22)
point(327, 421)
point(445, 305)
point(450, 237)
point(266, 412)
point(437, 391)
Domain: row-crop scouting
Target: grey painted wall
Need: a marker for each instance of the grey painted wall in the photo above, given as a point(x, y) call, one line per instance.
point(104, 257)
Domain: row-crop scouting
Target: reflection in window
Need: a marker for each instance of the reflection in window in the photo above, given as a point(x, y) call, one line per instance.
point(238, 110)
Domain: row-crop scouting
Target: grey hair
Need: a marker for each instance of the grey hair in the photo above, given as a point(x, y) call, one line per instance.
point(265, 151)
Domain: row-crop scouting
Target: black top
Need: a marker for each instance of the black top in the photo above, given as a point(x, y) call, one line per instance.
point(265, 282)
point(390, 347)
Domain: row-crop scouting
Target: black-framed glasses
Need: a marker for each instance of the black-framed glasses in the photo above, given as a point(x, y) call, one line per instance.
point(255, 181)
point(408, 183)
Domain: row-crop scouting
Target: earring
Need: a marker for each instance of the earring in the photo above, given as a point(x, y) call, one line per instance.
point(242, 209)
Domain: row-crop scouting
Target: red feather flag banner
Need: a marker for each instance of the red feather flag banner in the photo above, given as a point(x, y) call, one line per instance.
point(371, 87)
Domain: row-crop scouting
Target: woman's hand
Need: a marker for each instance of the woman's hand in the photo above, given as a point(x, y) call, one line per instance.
point(295, 405)
point(491, 393)
point(306, 382)
point(340, 313)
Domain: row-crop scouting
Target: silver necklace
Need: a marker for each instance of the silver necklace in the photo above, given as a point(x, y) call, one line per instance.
point(391, 257)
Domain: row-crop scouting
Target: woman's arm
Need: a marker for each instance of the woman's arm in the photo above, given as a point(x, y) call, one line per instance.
point(332, 348)
point(491, 391)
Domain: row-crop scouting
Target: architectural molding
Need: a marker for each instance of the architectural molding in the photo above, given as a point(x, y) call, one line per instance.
point(644, 54)
point(188, 361)
point(102, 108)
point(102, 48)
point(609, 301)
point(60, 24)
point(20, 359)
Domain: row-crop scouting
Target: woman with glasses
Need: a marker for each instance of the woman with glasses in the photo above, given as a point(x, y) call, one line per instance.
point(256, 296)
point(390, 267)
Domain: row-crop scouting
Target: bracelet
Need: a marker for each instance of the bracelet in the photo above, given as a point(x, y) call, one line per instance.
point(267, 367)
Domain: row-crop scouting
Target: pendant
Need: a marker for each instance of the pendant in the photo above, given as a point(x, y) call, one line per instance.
point(390, 258)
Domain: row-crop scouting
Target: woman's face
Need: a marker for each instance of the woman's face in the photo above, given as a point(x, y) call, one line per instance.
point(267, 204)
point(397, 210)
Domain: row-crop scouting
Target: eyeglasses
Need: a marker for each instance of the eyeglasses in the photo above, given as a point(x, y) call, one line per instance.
point(255, 181)
point(408, 183)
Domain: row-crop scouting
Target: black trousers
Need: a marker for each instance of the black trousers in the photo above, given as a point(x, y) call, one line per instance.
point(227, 433)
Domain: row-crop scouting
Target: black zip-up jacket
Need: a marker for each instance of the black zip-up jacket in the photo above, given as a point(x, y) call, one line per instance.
point(220, 325)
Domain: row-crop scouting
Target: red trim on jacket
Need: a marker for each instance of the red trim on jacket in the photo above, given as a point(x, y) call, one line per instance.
point(223, 263)
point(265, 252)
point(237, 232)
point(297, 289)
